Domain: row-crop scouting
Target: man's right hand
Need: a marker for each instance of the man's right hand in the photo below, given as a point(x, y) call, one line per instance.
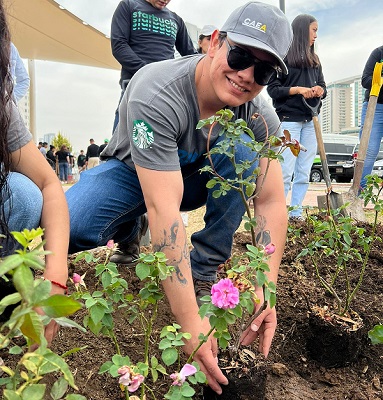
point(206, 356)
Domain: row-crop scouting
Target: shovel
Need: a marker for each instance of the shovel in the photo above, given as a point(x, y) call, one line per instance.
point(331, 200)
point(354, 208)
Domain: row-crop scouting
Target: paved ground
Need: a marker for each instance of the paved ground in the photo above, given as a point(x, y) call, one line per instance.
point(319, 189)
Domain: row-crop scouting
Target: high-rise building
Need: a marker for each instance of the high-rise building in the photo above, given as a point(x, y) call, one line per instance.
point(342, 106)
point(24, 110)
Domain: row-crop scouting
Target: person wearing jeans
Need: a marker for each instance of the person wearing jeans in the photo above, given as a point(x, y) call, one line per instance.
point(153, 163)
point(376, 134)
point(23, 205)
point(304, 80)
point(300, 166)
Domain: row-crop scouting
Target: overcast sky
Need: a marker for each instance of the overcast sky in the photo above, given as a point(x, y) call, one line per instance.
point(80, 101)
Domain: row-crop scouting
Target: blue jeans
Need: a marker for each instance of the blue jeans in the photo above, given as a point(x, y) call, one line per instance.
point(22, 208)
point(114, 202)
point(376, 136)
point(299, 166)
point(63, 169)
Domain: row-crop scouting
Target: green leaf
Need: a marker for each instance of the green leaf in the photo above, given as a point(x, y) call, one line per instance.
point(13, 298)
point(61, 365)
point(154, 362)
point(15, 350)
point(74, 350)
point(11, 395)
point(33, 261)
point(32, 327)
point(105, 367)
point(69, 323)
point(42, 290)
point(34, 392)
point(142, 271)
point(376, 334)
point(106, 280)
point(97, 312)
point(169, 356)
point(187, 391)
point(9, 263)
point(59, 388)
point(154, 373)
point(58, 305)
point(220, 324)
point(23, 282)
point(75, 397)
point(200, 377)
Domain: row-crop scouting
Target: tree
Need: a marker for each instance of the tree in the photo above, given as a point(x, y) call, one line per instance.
point(59, 140)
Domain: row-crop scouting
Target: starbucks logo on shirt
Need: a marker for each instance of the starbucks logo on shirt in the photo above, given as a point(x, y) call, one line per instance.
point(143, 135)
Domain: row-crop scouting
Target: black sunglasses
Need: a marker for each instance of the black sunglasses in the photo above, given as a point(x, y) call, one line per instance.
point(240, 59)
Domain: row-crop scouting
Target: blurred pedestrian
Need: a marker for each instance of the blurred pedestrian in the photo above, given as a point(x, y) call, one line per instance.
point(92, 159)
point(145, 31)
point(62, 157)
point(101, 148)
point(81, 161)
point(204, 38)
point(51, 157)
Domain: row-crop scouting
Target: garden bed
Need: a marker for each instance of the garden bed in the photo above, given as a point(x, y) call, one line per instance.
point(293, 374)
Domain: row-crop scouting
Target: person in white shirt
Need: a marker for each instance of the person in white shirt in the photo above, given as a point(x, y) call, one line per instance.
point(19, 74)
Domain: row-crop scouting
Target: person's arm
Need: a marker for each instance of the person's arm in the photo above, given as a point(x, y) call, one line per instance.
point(120, 36)
point(20, 74)
point(270, 210)
point(163, 194)
point(277, 89)
point(184, 44)
point(54, 219)
point(319, 90)
point(375, 56)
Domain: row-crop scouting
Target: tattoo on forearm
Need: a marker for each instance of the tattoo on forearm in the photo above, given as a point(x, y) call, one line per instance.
point(169, 243)
point(262, 236)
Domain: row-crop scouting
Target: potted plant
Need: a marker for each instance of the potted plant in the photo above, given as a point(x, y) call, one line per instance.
point(337, 335)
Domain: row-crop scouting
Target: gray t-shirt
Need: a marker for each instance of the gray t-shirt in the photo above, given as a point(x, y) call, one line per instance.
point(18, 134)
point(159, 114)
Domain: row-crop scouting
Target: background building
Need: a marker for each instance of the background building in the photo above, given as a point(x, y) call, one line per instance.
point(342, 106)
point(24, 108)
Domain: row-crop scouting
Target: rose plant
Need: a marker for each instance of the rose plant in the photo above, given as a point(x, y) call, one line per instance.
point(23, 381)
point(232, 299)
point(339, 237)
point(333, 240)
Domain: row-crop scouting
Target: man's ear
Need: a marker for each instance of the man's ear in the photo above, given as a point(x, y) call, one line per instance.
point(214, 44)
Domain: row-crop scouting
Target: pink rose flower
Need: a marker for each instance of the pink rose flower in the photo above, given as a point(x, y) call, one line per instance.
point(179, 378)
point(129, 378)
point(78, 280)
point(224, 294)
point(110, 244)
point(270, 249)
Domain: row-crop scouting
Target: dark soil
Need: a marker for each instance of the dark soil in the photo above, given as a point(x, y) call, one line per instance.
point(293, 374)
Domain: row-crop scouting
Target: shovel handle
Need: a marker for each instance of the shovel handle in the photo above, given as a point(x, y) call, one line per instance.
point(318, 134)
point(322, 153)
point(313, 109)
